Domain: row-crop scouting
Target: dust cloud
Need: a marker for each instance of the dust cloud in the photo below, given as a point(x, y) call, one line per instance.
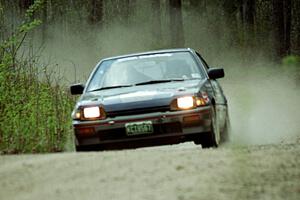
point(264, 104)
point(77, 55)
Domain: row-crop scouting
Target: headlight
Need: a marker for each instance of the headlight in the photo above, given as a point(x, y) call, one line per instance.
point(91, 112)
point(185, 102)
point(189, 102)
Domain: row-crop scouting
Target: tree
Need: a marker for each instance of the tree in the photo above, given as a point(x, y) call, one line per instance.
point(278, 23)
point(125, 12)
point(195, 3)
point(176, 24)
point(156, 21)
point(296, 26)
point(96, 12)
point(282, 13)
point(249, 20)
point(230, 9)
point(24, 4)
point(287, 30)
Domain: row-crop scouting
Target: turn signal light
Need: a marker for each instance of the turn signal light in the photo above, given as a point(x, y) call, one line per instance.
point(200, 102)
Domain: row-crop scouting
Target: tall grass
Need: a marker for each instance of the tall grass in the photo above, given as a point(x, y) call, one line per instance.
point(34, 114)
point(34, 108)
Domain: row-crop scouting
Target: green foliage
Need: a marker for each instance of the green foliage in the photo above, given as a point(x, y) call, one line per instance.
point(29, 26)
point(291, 61)
point(35, 114)
point(38, 4)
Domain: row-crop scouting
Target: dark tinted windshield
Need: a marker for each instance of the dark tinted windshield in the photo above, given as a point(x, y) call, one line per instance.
point(138, 69)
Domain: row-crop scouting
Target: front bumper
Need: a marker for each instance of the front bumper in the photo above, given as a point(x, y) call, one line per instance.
point(169, 127)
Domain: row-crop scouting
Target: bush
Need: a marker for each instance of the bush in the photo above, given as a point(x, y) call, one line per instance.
point(35, 113)
point(291, 61)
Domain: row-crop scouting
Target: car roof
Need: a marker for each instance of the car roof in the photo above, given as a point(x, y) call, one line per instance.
point(152, 52)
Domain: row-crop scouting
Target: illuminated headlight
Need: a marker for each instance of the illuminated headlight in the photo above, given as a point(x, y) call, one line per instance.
point(185, 102)
point(188, 102)
point(88, 113)
point(91, 112)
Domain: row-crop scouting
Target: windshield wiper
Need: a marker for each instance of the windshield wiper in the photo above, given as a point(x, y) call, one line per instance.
point(141, 83)
point(159, 81)
point(110, 87)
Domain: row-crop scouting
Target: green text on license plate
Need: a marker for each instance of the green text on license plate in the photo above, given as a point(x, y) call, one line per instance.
point(137, 128)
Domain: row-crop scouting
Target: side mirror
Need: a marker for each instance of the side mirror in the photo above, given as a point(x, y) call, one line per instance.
point(215, 73)
point(77, 89)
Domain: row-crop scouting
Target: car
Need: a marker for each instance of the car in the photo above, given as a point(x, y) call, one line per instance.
point(150, 98)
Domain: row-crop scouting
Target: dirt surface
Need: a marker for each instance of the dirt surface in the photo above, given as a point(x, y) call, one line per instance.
point(180, 172)
point(261, 162)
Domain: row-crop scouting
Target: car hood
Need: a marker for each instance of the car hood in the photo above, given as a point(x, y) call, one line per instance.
point(143, 96)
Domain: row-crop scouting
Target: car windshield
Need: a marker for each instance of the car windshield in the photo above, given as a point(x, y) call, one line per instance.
point(144, 69)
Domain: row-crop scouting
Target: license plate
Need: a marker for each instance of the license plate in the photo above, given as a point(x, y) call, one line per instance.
point(139, 128)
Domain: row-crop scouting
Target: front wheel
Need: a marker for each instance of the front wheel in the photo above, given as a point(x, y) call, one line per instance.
point(212, 138)
point(80, 148)
point(225, 137)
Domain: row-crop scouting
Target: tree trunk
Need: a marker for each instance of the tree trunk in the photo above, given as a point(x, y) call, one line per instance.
point(96, 12)
point(176, 24)
point(250, 12)
point(24, 4)
point(156, 21)
point(195, 3)
point(230, 9)
point(287, 34)
point(249, 20)
point(278, 23)
point(126, 11)
point(296, 26)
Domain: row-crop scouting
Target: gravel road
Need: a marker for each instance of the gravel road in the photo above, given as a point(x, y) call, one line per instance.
point(262, 161)
point(180, 172)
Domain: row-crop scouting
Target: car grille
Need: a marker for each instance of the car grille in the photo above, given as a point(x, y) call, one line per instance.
point(138, 111)
point(159, 129)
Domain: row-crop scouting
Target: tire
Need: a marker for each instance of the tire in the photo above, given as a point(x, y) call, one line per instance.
point(84, 148)
point(225, 138)
point(213, 138)
point(79, 148)
point(207, 141)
